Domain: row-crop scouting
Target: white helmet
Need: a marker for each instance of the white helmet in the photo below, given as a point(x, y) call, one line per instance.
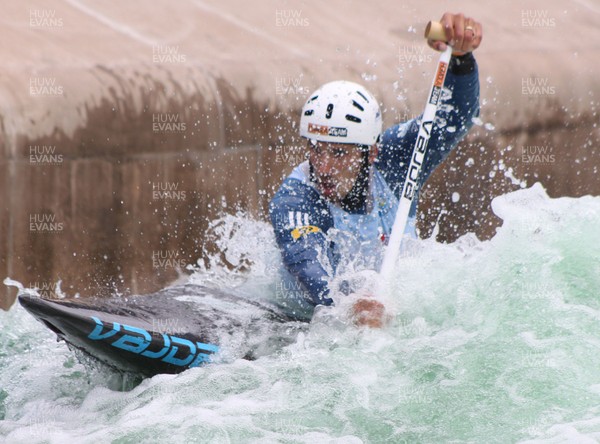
point(341, 112)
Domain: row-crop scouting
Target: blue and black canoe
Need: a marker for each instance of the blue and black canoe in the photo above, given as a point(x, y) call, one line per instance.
point(166, 332)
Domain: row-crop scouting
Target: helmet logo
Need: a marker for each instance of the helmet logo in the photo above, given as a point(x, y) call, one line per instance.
point(329, 111)
point(324, 130)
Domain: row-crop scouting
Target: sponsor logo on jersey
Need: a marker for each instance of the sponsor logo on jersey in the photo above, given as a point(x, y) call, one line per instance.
point(301, 231)
point(299, 223)
point(297, 219)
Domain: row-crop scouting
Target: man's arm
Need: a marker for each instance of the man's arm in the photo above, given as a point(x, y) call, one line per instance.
point(455, 115)
point(454, 118)
point(464, 35)
point(301, 219)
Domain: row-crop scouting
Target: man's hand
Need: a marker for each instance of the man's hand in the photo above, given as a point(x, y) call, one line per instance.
point(462, 33)
point(369, 313)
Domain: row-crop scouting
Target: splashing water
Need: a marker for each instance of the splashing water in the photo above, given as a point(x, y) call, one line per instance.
point(495, 341)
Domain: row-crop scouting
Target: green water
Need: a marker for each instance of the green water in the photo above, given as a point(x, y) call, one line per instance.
point(491, 342)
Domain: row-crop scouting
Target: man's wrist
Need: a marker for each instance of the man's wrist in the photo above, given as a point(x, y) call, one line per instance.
point(462, 64)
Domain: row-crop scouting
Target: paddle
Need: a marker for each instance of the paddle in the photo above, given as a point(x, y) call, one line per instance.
point(433, 31)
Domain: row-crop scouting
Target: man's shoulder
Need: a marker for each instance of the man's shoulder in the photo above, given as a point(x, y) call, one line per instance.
point(296, 188)
point(296, 198)
point(293, 194)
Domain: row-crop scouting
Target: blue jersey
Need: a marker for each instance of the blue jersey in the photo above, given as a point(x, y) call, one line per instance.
point(309, 229)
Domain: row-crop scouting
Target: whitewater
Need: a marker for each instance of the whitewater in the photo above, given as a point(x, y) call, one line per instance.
point(490, 342)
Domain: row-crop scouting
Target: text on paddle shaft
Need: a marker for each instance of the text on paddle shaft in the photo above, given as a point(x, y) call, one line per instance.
point(418, 156)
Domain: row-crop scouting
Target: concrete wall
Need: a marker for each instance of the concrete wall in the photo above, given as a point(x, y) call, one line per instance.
point(126, 128)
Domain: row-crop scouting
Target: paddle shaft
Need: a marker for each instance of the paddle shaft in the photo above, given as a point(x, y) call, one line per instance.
point(411, 183)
